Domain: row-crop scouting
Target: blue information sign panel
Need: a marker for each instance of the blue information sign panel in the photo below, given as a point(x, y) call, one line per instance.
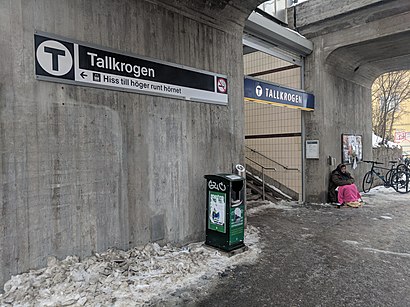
point(269, 93)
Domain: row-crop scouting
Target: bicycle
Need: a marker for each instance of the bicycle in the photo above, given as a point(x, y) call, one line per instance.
point(405, 167)
point(395, 178)
point(401, 181)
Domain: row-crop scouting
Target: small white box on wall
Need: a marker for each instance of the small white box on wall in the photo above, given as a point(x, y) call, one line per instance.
point(312, 149)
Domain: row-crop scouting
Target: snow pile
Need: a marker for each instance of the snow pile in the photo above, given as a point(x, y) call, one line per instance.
point(264, 205)
point(376, 140)
point(322, 204)
point(124, 278)
point(297, 2)
point(381, 190)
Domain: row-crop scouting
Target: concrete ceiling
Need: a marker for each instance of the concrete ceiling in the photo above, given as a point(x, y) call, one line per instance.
point(367, 60)
point(219, 12)
point(362, 58)
point(361, 39)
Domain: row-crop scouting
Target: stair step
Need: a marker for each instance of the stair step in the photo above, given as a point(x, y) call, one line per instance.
point(250, 197)
point(268, 196)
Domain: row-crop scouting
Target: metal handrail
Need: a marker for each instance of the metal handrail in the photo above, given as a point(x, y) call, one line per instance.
point(263, 174)
point(267, 168)
point(284, 166)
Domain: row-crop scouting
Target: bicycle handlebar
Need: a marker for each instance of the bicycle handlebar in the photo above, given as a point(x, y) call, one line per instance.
point(374, 162)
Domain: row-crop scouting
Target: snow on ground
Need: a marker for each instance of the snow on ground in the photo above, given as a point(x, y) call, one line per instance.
point(136, 277)
point(382, 190)
point(381, 194)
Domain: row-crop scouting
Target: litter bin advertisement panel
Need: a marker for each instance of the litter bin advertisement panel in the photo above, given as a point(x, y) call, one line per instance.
point(236, 233)
point(216, 212)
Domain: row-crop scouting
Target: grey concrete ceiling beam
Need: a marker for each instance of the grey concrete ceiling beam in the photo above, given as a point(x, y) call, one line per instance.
point(273, 33)
point(221, 13)
point(359, 39)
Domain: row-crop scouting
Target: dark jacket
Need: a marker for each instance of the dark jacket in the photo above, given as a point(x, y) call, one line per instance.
point(337, 178)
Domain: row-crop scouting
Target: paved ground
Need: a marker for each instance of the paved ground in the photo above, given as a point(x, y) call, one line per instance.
point(323, 256)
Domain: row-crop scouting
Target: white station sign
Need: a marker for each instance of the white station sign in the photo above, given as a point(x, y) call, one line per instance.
point(62, 60)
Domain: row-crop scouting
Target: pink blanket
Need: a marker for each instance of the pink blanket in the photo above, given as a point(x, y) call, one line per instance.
point(348, 193)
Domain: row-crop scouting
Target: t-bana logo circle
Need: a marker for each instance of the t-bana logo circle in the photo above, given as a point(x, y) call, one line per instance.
point(54, 58)
point(258, 91)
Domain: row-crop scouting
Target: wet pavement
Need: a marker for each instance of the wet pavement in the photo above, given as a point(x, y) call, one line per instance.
point(318, 255)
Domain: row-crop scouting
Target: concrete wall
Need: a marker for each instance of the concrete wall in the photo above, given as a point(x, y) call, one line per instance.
point(385, 154)
point(316, 12)
point(85, 169)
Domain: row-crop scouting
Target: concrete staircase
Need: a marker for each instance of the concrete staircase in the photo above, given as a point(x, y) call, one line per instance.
point(254, 190)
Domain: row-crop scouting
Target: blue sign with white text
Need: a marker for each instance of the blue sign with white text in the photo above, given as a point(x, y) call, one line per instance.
point(264, 92)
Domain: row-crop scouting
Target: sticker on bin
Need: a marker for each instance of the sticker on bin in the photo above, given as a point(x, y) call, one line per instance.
point(233, 177)
point(217, 204)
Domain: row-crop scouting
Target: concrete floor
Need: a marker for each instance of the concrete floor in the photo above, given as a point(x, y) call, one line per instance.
point(323, 256)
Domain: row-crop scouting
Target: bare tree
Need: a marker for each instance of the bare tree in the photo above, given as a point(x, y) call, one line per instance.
point(388, 92)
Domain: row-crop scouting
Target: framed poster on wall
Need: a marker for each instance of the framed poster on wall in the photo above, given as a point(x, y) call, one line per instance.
point(352, 148)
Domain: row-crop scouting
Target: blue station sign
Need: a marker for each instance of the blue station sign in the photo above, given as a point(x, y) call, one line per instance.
point(269, 93)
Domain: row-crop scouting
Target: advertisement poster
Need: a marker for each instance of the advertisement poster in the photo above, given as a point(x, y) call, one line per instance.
point(352, 148)
point(401, 136)
point(236, 233)
point(216, 214)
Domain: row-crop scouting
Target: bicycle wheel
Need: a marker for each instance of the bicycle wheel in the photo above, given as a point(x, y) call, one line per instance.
point(388, 177)
point(400, 182)
point(367, 182)
point(402, 167)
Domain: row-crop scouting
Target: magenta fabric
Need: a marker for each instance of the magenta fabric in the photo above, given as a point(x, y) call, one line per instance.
point(348, 193)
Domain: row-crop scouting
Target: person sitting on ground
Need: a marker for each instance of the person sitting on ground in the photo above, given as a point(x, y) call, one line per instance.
point(338, 177)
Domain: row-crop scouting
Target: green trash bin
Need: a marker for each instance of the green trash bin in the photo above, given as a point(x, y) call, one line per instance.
point(225, 207)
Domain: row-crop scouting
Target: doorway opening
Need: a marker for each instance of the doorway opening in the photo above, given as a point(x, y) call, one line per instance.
point(273, 134)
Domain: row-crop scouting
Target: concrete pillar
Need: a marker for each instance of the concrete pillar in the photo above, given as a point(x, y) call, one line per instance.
point(341, 107)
